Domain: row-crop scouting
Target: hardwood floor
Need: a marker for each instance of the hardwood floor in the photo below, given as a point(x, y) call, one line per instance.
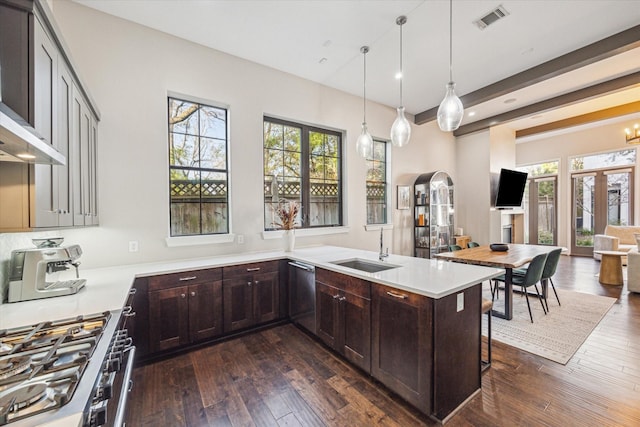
point(282, 377)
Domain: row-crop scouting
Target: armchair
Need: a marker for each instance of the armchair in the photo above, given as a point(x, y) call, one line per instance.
point(615, 238)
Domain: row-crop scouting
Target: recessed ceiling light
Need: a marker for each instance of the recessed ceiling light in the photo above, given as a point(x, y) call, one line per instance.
point(510, 100)
point(322, 60)
point(327, 43)
point(471, 113)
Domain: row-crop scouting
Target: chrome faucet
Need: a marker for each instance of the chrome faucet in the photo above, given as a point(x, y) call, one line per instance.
point(382, 255)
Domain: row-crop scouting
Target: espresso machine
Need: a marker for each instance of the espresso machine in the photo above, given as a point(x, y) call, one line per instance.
point(30, 268)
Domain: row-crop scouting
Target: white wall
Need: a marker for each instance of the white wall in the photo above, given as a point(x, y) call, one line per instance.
point(561, 146)
point(129, 69)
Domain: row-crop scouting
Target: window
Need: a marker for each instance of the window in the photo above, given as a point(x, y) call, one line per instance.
point(377, 184)
point(304, 164)
point(540, 203)
point(198, 168)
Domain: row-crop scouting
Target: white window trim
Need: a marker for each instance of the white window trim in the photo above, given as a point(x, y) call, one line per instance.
point(307, 232)
point(213, 239)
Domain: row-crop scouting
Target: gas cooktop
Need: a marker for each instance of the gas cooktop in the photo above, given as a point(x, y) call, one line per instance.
point(41, 365)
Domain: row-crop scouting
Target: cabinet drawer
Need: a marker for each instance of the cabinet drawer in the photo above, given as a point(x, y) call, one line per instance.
point(184, 278)
point(252, 268)
point(353, 285)
point(407, 298)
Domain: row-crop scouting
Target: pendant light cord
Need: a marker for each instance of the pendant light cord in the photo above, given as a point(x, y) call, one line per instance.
point(364, 50)
point(401, 72)
point(450, 40)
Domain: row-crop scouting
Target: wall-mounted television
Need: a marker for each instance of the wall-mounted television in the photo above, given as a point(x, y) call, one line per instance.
point(510, 188)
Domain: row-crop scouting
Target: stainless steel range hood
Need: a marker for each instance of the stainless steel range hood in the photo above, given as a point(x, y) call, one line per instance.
point(21, 142)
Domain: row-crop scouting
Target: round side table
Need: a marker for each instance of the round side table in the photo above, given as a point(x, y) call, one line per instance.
point(611, 267)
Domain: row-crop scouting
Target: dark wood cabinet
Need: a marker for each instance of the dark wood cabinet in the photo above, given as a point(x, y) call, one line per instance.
point(402, 334)
point(184, 308)
point(456, 349)
point(251, 295)
point(427, 350)
point(343, 315)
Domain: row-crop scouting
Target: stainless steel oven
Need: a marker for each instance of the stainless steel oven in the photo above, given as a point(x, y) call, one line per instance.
point(75, 369)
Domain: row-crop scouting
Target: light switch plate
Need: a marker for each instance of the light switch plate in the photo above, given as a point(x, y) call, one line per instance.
point(133, 246)
point(240, 239)
point(460, 302)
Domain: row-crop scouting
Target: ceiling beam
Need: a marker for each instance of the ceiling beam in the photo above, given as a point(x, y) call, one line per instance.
point(595, 116)
point(599, 89)
point(605, 48)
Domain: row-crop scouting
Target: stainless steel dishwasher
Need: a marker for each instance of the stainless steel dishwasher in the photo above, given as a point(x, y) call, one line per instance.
point(302, 295)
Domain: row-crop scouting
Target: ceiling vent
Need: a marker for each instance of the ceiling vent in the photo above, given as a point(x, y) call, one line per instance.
point(491, 17)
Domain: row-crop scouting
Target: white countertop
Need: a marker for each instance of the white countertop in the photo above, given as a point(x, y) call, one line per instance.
point(107, 288)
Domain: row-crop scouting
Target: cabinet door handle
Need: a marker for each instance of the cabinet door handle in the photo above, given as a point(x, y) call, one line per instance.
point(393, 294)
point(193, 294)
point(336, 296)
point(128, 311)
point(342, 299)
point(184, 279)
point(253, 269)
point(183, 295)
point(133, 291)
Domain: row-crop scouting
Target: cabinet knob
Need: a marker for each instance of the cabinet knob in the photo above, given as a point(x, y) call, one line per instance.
point(193, 294)
point(249, 283)
point(183, 295)
point(255, 282)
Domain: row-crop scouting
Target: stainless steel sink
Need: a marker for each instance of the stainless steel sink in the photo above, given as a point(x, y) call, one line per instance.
point(365, 265)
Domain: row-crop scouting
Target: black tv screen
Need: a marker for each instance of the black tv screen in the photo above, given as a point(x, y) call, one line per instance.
point(510, 188)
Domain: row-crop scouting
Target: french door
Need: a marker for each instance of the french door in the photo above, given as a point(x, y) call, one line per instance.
point(542, 208)
point(600, 198)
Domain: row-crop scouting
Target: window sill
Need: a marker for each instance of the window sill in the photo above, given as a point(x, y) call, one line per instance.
point(305, 232)
point(173, 242)
point(377, 227)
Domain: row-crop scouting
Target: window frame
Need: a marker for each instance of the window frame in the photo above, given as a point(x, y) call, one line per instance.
point(305, 176)
point(387, 179)
point(200, 238)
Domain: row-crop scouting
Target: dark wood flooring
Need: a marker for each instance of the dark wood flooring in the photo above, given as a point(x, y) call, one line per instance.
point(282, 377)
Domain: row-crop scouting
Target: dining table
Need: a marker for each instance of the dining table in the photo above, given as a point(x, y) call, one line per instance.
point(516, 256)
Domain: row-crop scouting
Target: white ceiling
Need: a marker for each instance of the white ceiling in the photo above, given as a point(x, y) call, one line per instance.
point(295, 35)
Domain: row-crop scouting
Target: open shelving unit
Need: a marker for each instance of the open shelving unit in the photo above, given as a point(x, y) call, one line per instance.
point(433, 214)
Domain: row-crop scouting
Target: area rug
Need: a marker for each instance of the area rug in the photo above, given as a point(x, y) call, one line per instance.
point(555, 336)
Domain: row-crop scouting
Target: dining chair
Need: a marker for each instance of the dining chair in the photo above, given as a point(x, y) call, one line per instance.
point(453, 248)
point(531, 277)
point(550, 267)
point(473, 244)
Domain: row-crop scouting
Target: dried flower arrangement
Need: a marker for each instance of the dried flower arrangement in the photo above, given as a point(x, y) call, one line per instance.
point(287, 211)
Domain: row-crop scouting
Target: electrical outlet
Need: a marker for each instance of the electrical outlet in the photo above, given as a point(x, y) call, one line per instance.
point(133, 246)
point(240, 238)
point(460, 302)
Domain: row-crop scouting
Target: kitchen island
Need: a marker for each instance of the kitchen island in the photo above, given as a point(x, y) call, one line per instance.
point(441, 299)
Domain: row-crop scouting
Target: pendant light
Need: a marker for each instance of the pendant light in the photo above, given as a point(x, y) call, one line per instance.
point(364, 144)
point(450, 112)
point(401, 129)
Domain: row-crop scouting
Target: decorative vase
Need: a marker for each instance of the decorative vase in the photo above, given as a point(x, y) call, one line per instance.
point(289, 240)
